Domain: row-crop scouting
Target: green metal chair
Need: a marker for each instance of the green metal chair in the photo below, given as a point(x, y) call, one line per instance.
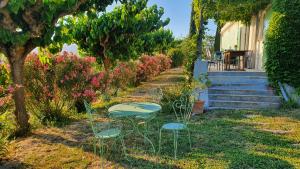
point(155, 96)
point(104, 131)
point(183, 112)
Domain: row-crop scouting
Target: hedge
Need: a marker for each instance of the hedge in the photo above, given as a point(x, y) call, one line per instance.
point(283, 43)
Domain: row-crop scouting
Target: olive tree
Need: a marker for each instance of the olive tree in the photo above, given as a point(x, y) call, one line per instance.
point(27, 24)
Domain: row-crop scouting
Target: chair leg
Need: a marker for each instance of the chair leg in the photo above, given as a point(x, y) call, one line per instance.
point(95, 145)
point(175, 143)
point(190, 141)
point(123, 147)
point(101, 150)
point(159, 141)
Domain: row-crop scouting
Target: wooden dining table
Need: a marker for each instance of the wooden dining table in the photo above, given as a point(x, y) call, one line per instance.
point(235, 54)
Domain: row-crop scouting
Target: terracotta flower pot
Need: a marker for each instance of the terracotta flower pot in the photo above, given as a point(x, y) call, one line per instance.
point(198, 107)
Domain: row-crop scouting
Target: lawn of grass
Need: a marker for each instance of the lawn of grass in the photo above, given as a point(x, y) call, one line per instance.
point(221, 139)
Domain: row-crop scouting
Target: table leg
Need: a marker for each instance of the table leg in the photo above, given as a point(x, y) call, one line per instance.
point(136, 128)
point(243, 63)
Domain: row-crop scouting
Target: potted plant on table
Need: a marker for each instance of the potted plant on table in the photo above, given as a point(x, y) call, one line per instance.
point(200, 87)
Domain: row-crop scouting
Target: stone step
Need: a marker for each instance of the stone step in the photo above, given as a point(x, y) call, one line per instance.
point(243, 104)
point(241, 86)
point(241, 92)
point(228, 108)
point(238, 80)
point(250, 98)
point(237, 73)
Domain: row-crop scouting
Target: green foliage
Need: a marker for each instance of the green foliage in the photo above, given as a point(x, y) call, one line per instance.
point(158, 41)
point(283, 43)
point(223, 11)
point(4, 75)
point(46, 12)
point(114, 35)
point(5, 95)
point(3, 145)
point(189, 48)
point(289, 105)
point(177, 57)
point(170, 94)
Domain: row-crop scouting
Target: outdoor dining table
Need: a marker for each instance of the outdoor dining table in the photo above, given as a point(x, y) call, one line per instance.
point(135, 110)
point(231, 54)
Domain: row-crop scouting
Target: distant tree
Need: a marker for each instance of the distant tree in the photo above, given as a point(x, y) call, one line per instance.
point(193, 30)
point(158, 41)
point(112, 36)
point(26, 24)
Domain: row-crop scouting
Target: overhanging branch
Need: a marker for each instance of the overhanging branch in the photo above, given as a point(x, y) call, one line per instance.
point(3, 3)
point(6, 21)
point(64, 13)
point(3, 49)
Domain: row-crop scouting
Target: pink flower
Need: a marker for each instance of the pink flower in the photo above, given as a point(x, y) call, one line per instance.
point(95, 82)
point(1, 102)
point(11, 89)
point(60, 59)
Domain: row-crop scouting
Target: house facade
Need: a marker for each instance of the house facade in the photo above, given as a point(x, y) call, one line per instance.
point(250, 37)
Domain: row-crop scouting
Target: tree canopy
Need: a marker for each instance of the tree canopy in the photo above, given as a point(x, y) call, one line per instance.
point(26, 24)
point(114, 35)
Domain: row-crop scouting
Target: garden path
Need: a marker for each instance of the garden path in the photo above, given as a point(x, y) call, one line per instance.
point(168, 78)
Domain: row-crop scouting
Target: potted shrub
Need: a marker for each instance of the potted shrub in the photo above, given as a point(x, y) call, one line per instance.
point(199, 87)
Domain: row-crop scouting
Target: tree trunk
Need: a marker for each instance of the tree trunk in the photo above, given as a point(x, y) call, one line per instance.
point(200, 36)
point(106, 60)
point(106, 63)
point(16, 61)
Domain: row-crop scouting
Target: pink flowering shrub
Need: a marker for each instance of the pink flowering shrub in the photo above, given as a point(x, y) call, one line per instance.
point(150, 66)
point(58, 84)
point(102, 81)
point(5, 88)
point(123, 75)
point(165, 62)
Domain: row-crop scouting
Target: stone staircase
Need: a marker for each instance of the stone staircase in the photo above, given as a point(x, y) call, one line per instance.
point(241, 90)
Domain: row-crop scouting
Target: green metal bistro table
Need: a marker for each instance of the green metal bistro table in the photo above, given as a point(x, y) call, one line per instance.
point(135, 110)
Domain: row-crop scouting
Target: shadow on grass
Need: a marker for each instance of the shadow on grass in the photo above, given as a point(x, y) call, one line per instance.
point(14, 164)
point(224, 137)
point(289, 113)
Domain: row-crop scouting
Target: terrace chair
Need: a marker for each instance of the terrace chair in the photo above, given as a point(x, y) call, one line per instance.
point(183, 112)
point(104, 131)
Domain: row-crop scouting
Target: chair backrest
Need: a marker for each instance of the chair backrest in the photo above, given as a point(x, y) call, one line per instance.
point(90, 111)
point(156, 95)
point(183, 107)
point(218, 55)
point(208, 54)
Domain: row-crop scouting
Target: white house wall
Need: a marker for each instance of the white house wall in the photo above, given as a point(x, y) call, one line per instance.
point(229, 35)
point(248, 37)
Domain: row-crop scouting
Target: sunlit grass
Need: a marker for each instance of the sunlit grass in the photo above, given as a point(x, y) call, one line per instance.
point(221, 139)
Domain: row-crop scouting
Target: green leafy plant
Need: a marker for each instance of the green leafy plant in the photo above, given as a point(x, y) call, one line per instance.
point(282, 44)
point(3, 145)
point(177, 56)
